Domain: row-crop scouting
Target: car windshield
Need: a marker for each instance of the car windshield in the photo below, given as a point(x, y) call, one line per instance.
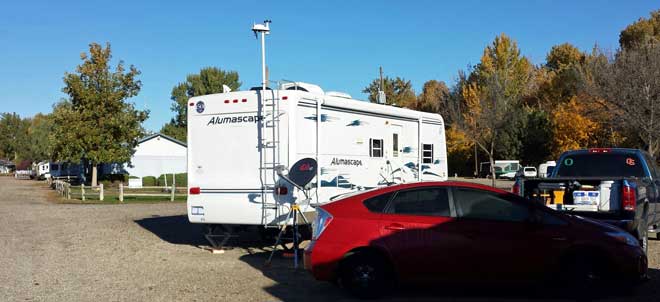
point(600, 165)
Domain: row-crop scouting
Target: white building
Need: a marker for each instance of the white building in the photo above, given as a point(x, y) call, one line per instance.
point(158, 154)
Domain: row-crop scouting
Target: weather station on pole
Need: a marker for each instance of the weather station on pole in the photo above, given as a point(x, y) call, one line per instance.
point(263, 29)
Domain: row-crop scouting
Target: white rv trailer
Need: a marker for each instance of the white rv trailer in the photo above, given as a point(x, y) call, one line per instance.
point(236, 139)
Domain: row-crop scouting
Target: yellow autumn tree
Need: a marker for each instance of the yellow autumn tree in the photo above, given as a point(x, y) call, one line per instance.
point(571, 128)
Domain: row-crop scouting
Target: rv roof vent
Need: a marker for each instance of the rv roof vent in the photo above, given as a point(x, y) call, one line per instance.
point(338, 94)
point(311, 88)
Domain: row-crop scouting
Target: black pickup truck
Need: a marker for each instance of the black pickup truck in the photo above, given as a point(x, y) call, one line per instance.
point(614, 185)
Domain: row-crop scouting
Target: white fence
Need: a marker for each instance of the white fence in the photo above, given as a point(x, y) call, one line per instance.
point(69, 191)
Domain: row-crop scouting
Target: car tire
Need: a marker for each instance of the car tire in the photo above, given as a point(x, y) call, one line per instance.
point(583, 271)
point(365, 276)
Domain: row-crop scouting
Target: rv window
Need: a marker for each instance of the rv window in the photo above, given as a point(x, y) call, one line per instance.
point(376, 149)
point(395, 144)
point(427, 155)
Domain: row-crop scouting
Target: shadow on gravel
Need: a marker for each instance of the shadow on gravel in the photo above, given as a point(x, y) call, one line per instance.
point(178, 230)
point(174, 229)
point(299, 285)
point(293, 284)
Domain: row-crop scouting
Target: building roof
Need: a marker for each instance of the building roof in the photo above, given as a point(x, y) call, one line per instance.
point(169, 138)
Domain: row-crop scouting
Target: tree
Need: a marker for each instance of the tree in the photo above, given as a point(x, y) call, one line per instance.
point(641, 33)
point(537, 137)
point(434, 98)
point(39, 146)
point(571, 128)
point(208, 81)
point(563, 56)
point(398, 91)
point(97, 123)
point(492, 96)
point(13, 135)
point(630, 84)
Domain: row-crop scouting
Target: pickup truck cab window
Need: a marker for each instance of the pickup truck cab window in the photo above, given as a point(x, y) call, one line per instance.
point(601, 165)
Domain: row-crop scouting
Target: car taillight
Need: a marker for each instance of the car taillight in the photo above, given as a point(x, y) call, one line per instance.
point(323, 219)
point(516, 188)
point(194, 191)
point(628, 198)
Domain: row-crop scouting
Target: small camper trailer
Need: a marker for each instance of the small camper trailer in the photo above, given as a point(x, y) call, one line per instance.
point(237, 141)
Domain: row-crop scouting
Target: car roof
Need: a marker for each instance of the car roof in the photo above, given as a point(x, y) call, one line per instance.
point(422, 184)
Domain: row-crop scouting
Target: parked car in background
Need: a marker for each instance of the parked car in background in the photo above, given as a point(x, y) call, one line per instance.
point(529, 172)
point(454, 231)
point(614, 185)
point(545, 169)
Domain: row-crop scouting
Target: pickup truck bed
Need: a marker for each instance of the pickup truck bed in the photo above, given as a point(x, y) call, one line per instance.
point(618, 186)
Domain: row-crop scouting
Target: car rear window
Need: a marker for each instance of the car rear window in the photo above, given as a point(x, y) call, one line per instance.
point(378, 203)
point(601, 165)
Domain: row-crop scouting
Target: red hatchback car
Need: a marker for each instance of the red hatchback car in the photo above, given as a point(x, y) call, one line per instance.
point(453, 231)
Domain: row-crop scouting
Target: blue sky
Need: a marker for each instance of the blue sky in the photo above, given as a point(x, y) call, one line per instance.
point(335, 44)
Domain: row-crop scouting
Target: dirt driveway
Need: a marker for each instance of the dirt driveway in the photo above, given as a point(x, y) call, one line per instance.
point(149, 252)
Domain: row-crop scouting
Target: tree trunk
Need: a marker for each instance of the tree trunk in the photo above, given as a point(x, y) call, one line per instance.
point(94, 176)
point(476, 163)
point(492, 169)
point(492, 161)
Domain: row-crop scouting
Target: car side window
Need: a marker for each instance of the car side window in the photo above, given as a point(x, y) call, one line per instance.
point(378, 203)
point(424, 201)
point(485, 205)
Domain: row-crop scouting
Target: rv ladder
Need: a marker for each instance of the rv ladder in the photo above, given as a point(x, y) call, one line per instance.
point(269, 148)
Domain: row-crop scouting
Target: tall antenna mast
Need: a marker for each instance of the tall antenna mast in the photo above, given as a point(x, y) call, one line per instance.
point(263, 29)
point(381, 93)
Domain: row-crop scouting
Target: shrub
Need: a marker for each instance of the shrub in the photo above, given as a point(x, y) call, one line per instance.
point(149, 181)
point(181, 179)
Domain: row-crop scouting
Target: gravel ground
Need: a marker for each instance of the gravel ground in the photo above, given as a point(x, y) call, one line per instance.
point(149, 252)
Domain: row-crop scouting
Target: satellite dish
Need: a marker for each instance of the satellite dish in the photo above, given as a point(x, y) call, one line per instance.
point(302, 172)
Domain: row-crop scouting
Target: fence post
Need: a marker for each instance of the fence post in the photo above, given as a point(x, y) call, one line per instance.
point(101, 192)
point(68, 191)
point(121, 192)
point(82, 191)
point(173, 188)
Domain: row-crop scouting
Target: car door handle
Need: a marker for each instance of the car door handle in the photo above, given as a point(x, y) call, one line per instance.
point(395, 227)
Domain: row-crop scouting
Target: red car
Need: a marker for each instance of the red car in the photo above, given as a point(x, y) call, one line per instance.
point(453, 231)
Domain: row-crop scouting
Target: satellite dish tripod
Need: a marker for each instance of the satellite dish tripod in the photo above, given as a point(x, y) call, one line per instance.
point(299, 176)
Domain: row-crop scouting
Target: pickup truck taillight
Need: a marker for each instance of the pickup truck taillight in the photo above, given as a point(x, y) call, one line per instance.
point(628, 198)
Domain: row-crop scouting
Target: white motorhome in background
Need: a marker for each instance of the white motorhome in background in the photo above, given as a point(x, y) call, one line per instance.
point(543, 168)
point(43, 170)
point(236, 139)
